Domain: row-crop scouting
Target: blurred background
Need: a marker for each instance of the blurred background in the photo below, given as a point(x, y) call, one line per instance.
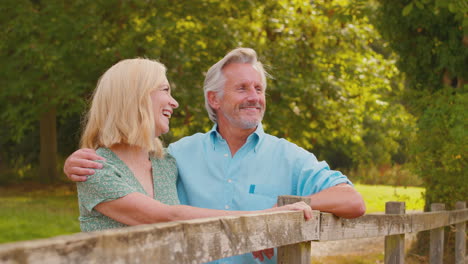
point(377, 88)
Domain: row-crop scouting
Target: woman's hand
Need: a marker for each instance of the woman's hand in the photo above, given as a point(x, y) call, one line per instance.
point(299, 206)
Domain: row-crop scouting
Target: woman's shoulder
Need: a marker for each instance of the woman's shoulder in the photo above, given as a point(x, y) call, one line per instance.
point(167, 158)
point(167, 155)
point(111, 158)
point(105, 153)
point(112, 164)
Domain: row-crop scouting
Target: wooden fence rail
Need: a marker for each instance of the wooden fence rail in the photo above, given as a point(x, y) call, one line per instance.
point(202, 240)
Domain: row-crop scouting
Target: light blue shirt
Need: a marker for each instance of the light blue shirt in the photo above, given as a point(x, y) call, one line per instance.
point(261, 170)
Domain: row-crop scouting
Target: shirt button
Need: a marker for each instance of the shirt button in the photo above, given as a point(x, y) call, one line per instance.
point(229, 180)
point(225, 155)
point(226, 206)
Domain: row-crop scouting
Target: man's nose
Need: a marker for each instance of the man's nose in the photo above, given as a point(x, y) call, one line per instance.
point(252, 94)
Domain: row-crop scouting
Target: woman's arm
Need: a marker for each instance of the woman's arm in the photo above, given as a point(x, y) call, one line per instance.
point(137, 209)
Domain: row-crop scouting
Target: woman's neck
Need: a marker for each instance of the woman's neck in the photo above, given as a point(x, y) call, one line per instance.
point(137, 160)
point(130, 154)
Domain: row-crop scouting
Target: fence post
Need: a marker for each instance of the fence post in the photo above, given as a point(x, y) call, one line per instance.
point(296, 253)
point(436, 253)
point(395, 244)
point(460, 239)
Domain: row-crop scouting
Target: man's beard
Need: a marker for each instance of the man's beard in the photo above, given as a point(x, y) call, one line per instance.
point(246, 123)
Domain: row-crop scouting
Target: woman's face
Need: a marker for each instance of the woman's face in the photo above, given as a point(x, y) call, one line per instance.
point(163, 105)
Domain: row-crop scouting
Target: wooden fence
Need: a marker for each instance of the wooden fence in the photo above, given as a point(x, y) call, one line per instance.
point(202, 240)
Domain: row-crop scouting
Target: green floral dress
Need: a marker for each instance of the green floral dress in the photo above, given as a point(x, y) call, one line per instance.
point(115, 180)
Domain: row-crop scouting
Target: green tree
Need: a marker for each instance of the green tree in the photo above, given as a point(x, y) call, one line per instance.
point(431, 39)
point(332, 92)
point(333, 88)
point(52, 53)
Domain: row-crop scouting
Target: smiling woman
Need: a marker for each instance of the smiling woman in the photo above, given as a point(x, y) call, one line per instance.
point(163, 103)
point(131, 108)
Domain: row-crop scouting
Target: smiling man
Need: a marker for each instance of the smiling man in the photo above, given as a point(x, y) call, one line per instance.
point(236, 165)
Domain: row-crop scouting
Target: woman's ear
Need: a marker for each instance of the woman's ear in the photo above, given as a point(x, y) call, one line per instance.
point(213, 100)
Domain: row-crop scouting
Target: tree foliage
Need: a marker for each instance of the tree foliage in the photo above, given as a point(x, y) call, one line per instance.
point(430, 38)
point(333, 89)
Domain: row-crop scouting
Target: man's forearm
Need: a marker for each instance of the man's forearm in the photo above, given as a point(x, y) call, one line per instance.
point(341, 200)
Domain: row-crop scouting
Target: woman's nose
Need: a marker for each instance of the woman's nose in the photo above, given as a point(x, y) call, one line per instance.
point(173, 103)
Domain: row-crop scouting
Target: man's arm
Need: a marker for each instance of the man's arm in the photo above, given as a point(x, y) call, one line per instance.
point(341, 200)
point(81, 163)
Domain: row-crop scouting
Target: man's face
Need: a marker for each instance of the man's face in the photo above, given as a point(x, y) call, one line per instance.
point(243, 102)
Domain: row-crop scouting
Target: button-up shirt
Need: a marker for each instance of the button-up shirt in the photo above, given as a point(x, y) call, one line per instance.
point(261, 170)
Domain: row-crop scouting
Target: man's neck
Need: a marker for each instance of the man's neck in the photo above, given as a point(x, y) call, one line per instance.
point(234, 136)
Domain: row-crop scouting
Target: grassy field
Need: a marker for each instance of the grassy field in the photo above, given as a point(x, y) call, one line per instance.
point(377, 195)
point(32, 211)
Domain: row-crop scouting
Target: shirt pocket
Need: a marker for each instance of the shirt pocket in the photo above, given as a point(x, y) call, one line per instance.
point(266, 191)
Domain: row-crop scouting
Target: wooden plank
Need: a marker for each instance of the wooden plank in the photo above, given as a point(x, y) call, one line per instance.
point(460, 237)
point(436, 253)
point(395, 244)
point(191, 241)
point(300, 252)
point(371, 225)
point(376, 225)
point(458, 216)
point(295, 253)
point(116, 246)
point(208, 239)
point(430, 220)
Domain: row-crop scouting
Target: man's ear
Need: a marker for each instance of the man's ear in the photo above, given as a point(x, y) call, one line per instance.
point(213, 100)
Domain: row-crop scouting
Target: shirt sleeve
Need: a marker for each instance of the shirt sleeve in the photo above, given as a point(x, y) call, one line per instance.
point(106, 184)
point(315, 176)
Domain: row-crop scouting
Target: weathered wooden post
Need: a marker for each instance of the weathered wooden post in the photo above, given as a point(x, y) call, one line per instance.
point(296, 253)
point(395, 244)
point(436, 253)
point(460, 237)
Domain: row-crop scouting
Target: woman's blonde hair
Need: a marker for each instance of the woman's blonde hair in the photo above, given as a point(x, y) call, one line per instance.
point(121, 109)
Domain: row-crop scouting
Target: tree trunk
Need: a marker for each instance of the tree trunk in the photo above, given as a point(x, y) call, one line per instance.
point(48, 153)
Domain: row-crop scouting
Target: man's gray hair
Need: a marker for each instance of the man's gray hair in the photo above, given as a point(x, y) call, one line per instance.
point(215, 79)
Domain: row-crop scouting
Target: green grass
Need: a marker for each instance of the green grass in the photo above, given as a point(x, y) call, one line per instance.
point(377, 195)
point(32, 211)
point(27, 214)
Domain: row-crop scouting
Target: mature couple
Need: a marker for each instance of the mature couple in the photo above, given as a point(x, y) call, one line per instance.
point(235, 168)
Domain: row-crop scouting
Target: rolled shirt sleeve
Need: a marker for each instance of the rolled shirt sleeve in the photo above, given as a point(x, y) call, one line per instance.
point(315, 176)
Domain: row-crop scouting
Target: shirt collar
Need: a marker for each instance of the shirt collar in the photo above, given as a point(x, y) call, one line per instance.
point(256, 136)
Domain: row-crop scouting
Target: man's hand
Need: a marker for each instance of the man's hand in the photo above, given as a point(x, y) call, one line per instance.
point(81, 163)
